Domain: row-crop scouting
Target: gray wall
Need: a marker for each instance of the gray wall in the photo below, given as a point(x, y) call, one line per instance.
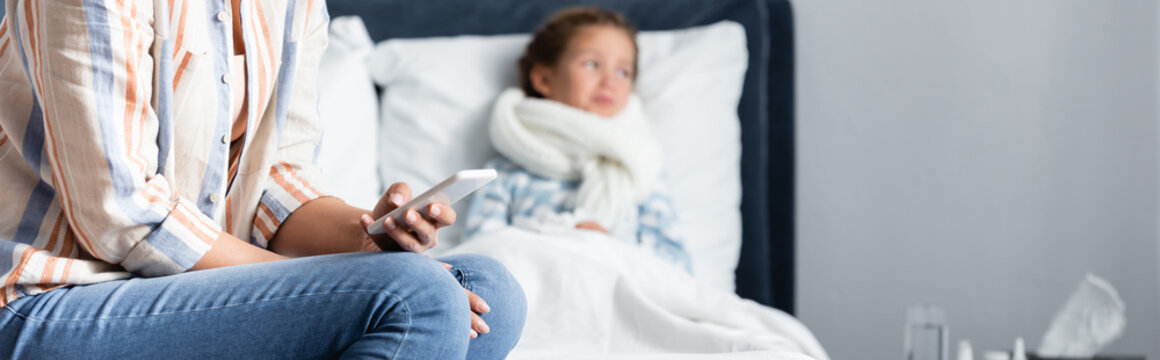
point(982, 155)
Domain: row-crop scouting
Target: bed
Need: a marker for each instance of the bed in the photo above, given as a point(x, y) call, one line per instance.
point(766, 269)
point(764, 111)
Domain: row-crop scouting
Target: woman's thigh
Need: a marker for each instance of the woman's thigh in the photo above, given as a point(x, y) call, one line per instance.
point(373, 304)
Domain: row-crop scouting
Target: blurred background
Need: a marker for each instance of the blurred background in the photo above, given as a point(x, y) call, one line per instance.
point(981, 155)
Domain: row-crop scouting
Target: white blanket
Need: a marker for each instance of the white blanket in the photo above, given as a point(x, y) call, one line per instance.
point(590, 297)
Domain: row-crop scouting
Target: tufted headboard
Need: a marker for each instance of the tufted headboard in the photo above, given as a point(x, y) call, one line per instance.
point(766, 269)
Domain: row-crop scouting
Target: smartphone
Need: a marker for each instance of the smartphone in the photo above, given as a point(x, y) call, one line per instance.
point(447, 192)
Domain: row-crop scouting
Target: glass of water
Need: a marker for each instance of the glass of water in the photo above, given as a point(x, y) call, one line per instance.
point(926, 333)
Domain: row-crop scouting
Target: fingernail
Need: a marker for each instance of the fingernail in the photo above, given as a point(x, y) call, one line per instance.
point(397, 199)
point(484, 307)
point(411, 217)
point(435, 211)
point(474, 334)
point(483, 327)
point(390, 223)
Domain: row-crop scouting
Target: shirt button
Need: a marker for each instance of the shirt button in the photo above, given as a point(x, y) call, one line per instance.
point(215, 198)
point(226, 78)
point(223, 16)
point(226, 139)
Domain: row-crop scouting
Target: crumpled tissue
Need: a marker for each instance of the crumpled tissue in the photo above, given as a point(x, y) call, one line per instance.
point(1091, 318)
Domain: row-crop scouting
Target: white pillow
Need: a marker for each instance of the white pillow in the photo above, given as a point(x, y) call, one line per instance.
point(439, 93)
point(348, 107)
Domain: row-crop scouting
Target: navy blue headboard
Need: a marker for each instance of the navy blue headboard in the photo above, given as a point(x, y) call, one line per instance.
point(766, 269)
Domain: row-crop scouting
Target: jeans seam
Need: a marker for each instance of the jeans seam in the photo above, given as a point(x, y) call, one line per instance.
point(406, 329)
point(400, 300)
point(19, 315)
point(466, 279)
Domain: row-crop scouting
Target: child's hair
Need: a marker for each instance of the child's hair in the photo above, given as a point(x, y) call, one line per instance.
point(552, 39)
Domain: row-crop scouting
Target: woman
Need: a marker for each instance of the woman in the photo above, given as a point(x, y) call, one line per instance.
point(160, 200)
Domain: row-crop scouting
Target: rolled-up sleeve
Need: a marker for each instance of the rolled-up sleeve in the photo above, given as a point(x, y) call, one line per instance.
point(294, 179)
point(90, 69)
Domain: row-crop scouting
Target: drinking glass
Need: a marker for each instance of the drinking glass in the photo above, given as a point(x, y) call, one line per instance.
point(926, 333)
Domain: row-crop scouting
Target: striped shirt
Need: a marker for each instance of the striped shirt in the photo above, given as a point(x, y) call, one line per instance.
point(115, 133)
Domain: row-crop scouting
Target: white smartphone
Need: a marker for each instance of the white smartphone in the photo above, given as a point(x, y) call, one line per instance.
point(449, 191)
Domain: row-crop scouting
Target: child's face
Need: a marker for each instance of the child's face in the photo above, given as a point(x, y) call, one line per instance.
point(593, 74)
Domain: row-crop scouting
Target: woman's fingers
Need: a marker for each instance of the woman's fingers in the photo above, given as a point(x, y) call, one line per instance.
point(477, 324)
point(440, 215)
point(477, 304)
point(415, 232)
point(372, 245)
point(402, 236)
point(397, 195)
point(397, 199)
point(423, 229)
point(402, 189)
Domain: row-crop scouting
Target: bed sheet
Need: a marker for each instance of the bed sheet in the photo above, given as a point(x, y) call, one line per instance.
point(590, 296)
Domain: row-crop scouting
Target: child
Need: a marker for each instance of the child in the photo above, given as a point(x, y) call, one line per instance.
point(577, 150)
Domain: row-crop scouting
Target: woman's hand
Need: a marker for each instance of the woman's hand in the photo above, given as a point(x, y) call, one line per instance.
point(478, 306)
point(417, 233)
point(591, 225)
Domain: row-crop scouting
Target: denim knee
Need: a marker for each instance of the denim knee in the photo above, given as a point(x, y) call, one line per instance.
point(409, 305)
point(432, 297)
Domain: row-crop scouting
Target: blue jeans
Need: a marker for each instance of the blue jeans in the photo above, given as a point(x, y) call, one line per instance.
point(359, 305)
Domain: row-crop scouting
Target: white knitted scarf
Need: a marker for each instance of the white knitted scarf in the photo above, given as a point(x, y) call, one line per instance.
point(617, 159)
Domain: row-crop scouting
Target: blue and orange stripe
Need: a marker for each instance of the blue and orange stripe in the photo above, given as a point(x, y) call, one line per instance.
point(3, 35)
